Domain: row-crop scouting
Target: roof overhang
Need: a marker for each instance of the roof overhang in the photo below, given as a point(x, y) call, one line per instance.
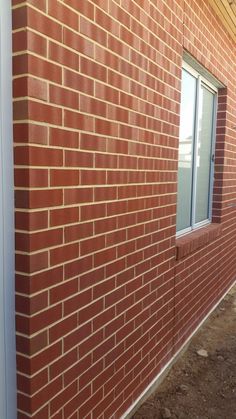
point(226, 10)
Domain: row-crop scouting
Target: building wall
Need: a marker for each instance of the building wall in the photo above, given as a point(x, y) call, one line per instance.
point(101, 302)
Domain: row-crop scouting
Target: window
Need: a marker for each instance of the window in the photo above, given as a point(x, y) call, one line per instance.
point(196, 151)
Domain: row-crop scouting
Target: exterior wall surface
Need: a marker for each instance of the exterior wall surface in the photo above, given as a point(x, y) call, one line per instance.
point(102, 303)
point(7, 246)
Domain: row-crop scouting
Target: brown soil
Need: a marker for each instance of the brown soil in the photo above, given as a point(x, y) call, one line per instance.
point(201, 387)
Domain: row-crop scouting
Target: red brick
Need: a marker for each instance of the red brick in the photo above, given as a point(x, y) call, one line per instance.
point(78, 159)
point(46, 393)
point(19, 41)
point(93, 69)
point(85, 409)
point(78, 369)
point(79, 266)
point(102, 226)
point(39, 321)
point(64, 177)
point(113, 380)
point(103, 288)
point(38, 198)
point(64, 253)
point(44, 113)
point(20, 110)
point(103, 318)
point(120, 14)
point(114, 406)
point(31, 385)
point(78, 121)
point(86, 9)
point(103, 348)
point(78, 232)
point(36, 111)
point(78, 42)
point(90, 343)
point(90, 311)
point(92, 212)
point(44, 25)
point(44, 69)
point(62, 398)
point(90, 374)
point(33, 263)
point(30, 306)
point(36, 43)
point(106, 21)
point(31, 133)
point(77, 336)
point(115, 267)
point(91, 245)
point(102, 405)
point(105, 92)
point(63, 14)
point(39, 4)
point(93, 106)
point(77, 302)
point(31, 87)
point(63, 291)
point(64, 216)
point(40, 360)
point(63, 56)
point(58, 415)
point(103, 377)
point(114, 325)
point(62, 364)
point(78, 82)
point(92, 142)
point(63, 138)
point(92, 31)
point(31, 345)
point(93, 177)
point(78, 195)
point(38, 241)
point(23, 402)
point(35, 178)
point(39, 281)
point(63, 97)
point(106, 127)
point(105, 256)
point(114, 354)
point(81, 397)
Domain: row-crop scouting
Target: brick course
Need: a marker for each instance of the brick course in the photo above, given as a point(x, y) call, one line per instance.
point(101, 302)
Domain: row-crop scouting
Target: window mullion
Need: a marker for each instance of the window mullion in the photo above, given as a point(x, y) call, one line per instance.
point(195, 152)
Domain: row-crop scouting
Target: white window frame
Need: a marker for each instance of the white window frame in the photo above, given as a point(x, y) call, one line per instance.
point(213, 89)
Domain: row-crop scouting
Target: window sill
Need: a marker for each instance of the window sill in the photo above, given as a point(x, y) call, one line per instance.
point(196, 239)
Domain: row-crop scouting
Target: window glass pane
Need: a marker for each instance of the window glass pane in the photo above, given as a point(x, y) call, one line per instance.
point(185, 172)
point(203, 163)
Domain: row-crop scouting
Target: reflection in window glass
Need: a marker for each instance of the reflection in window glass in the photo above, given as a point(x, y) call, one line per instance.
point(206, 110)
point(185, 167)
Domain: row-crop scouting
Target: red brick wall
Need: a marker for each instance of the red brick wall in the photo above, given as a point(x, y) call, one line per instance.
point(203, 276)
point(101, 302)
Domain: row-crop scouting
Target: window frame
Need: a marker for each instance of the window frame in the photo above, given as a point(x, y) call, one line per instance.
point(201, 81)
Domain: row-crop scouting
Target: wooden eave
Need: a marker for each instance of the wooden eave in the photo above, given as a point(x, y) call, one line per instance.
point(226, 10)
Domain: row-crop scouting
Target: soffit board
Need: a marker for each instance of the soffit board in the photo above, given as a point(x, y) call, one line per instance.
point(226, 10)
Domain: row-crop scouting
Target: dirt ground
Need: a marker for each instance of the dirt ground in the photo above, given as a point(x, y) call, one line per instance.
point(201, 387)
